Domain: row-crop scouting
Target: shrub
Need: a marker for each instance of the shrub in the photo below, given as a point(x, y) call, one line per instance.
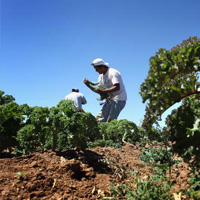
point(10, 121)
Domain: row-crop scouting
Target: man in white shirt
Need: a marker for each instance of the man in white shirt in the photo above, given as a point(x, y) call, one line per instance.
point(77, 98)
point(113, 85)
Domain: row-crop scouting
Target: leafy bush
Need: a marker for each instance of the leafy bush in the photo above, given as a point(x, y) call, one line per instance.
point(155, 134)
point(154, 155)
point(71, 128)
point(173, 75)
point(152, 187)
point(59, 119)
point(183, 127)
point(10, 121)
point(104, 143)
point(193, 190)
point(27, 139)
point(120, 131)
point(83, 129)
point(8, 132)
point(36, 131)
point(58, 127)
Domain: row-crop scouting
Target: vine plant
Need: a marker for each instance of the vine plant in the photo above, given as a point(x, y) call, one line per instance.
point(173, 75)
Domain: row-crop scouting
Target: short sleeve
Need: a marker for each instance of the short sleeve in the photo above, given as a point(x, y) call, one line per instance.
point(115, 78)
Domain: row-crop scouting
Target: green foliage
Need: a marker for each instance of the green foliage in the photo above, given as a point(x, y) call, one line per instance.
point(116, 132)
point(154, 155)
point(8, 132)
point(8, 111)
point(102, 96)
point(71, 128)
point(158, 155)
point(26, 110)
point(63, 140)
point(27, 139)
point(10, 120)
point(155, 134)
point(122, 131)
point(193, 190)
point(58, 127)
point(59, 119)
point(184, 129)
point(4, 99)
point(8, 108)
point(36, 131)
point(67, 107)
point(104, 143)
point(154, 187)
point(172, 77)
point(83, 129)
point(42, 126)
point(161, 157)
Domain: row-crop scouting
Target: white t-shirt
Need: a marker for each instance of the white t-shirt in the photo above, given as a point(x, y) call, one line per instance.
point(112, 77)
point(77, 98)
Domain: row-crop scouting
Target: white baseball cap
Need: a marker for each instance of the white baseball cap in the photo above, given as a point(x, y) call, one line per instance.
point(99, 61)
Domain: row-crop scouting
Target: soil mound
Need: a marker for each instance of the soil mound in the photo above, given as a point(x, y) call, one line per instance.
point(72, 174)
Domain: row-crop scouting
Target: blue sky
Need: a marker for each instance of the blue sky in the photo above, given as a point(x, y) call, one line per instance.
point(47, 46)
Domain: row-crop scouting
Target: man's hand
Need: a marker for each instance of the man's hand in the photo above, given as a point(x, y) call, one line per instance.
point(100, 91)
point(86, 82)
point(97, 90)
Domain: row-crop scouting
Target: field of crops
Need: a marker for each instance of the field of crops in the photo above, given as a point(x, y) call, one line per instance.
point(59, 153)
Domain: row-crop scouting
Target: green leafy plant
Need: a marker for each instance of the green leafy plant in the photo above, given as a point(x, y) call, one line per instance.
point(117, 132)
point(183, 129)
point(173, 75)
point(83, 129)
point(36, 131)
point(27, 139)
point(59, 127)
point(120, 131)
point(154, 155)
point(193, 190)
point(102, 96)
point(152, 187)
point(162, 158)
point(10, 121)
point(71, 128)
point(104, 143)
point(59, 119)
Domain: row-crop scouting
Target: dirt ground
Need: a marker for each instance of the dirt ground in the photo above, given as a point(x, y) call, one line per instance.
point(74, 174)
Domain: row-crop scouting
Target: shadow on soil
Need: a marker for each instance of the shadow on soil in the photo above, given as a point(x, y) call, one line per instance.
point(92, 159)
